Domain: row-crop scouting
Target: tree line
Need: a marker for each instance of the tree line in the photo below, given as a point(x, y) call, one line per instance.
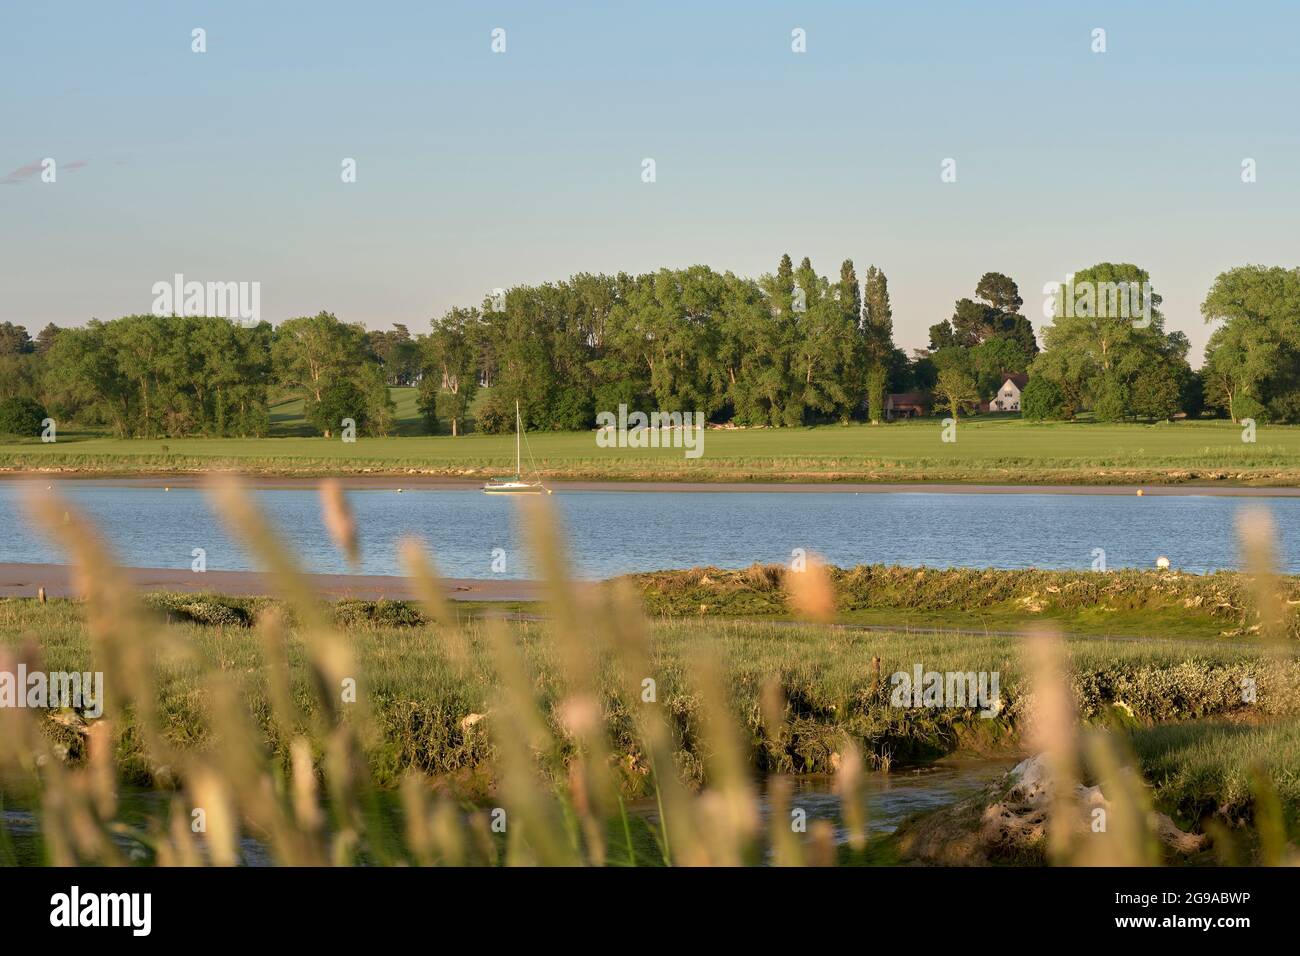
point(789, 348)
point(151, 376)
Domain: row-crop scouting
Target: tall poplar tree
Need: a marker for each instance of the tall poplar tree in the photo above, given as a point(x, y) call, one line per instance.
point(878, 339)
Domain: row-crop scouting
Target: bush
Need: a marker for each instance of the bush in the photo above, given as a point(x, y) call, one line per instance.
point(493, 418)
point(21, 416)
point(1246, 406)
point(214, 610)
point(381, 613)
point(1042, 400)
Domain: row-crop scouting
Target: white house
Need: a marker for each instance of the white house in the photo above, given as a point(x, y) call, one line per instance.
point(1008, 397)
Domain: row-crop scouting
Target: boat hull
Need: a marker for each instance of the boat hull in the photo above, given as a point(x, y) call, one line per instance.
point(519, 488)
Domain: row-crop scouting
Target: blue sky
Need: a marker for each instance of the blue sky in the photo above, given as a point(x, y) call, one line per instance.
point(478, 170)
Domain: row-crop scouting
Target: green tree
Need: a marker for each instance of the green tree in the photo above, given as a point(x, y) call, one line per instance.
point(942, 335)
point(1000, 292)
point(1098, 354)
point(1252, 359)
point(876, 389)
point(777, 382)
point(956, 390)
point(397, 352)
point(972, 322)
point(339, 400)
point(1155, 393)
point(849, 294)
point(46, 337)
point(19, 375)
point(14, 340)
point(319, 354)
point(311, 352)
point(828, 351)
point(1111, 401)
point(83, 382)
point(450, 365)
point(878, 352)
point(745, 350)
point(993, 360)
point(877, 316)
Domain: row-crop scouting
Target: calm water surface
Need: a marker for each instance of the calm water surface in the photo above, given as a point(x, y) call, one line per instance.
point(617, 532)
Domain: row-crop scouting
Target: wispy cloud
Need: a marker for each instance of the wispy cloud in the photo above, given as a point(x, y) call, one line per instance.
point(24, 173)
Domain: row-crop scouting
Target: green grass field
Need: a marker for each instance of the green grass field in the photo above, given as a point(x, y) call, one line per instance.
point(990, 450)
point(288, 420)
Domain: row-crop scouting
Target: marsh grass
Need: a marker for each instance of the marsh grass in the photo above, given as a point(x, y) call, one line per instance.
point(825, 677)
point(1222, 604)
point(289, 732)
point(1207, 771)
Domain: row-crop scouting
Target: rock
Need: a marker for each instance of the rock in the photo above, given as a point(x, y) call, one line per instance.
point(1009, 820)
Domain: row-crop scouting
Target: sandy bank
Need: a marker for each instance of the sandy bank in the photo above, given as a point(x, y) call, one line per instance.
point(434, 483)
point(22, 580)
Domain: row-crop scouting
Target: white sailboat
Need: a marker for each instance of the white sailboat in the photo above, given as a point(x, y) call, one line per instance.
point(516, 485)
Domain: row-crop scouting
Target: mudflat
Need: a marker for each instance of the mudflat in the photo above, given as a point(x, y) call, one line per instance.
point(23, 580)
point(436, 483)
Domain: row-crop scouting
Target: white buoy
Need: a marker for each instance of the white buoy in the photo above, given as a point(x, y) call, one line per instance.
point(1162, 563)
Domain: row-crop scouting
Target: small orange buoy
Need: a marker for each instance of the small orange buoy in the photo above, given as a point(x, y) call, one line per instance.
point(1139, 492)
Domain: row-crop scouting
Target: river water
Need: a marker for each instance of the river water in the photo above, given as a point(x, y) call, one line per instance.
point(616, 532)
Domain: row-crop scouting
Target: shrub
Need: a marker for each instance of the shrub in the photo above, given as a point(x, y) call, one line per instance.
point(381, 613)
point(493, 417)
point(21, 416)
point(1042, 400)
point(210, 609)
point(1111, 403)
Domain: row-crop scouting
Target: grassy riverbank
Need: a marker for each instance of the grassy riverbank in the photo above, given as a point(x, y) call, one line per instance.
point(1147, 604)
point(987, 450)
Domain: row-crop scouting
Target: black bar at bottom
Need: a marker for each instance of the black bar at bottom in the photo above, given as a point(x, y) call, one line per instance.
point(912, 903)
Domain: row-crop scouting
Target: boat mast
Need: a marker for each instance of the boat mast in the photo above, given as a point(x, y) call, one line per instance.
point(519, 425)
